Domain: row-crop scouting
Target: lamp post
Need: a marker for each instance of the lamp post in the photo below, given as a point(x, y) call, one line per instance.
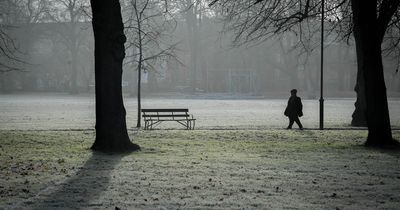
point(321, 99)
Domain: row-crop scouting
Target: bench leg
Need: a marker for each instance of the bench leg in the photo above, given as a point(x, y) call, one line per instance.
point(189, 124)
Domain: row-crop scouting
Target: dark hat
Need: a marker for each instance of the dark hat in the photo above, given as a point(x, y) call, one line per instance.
point(293, 91)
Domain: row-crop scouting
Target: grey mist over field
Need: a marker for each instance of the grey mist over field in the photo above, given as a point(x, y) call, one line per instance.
point(183, 50)
point(186, 51)
point(199, 104)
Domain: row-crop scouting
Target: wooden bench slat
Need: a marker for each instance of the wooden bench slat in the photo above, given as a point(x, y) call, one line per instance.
point(165, 115)
point(165, 110)
point(170, 120)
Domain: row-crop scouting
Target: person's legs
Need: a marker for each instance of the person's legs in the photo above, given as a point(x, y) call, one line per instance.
point(291, 121)
point(297, 120)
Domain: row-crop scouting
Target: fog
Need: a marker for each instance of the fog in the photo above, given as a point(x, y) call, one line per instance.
point(208, 117)
point(191, 53)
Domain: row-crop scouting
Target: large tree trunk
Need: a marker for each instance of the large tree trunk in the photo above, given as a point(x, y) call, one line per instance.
point(369, 56)
point(111, 132)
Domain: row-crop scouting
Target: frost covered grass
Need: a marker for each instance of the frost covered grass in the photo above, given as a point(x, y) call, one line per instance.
point(206, 169)
point(58, 111)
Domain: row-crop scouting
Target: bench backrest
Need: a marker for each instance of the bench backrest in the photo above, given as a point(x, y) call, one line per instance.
point(165, 110)
point(175, 114)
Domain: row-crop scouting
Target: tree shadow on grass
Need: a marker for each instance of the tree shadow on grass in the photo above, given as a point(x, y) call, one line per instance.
point(392, 150)
point(83, 188)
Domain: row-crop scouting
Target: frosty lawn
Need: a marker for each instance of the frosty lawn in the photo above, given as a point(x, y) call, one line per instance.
point(61, 111)
point(220, 169)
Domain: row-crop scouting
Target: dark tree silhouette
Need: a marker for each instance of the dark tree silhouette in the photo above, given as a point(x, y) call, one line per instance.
point(258, 19)
point(369, 30)
point(111, 132)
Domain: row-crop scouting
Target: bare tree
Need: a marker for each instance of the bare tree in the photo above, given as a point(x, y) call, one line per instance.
point(17, 18)
point(149, 25)
point(8, 49)
point(192, 12)
point(367, 21)
point(369, 32)
point(17, 15)
point(192, 15)
point(70, 15)
point(9, 60)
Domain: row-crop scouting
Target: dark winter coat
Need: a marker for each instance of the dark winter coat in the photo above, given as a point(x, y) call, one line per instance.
point(294, 107)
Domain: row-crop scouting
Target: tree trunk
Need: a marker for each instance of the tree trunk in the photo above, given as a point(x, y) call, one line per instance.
point(359, 116)
point(140, 65)
point(294, 78)
point(3, 86)
point(72, 40)
point(133, 90)
point(139, 94)
point(74, 69)
point(369, 56)
point(192, 28)
point(111, 132)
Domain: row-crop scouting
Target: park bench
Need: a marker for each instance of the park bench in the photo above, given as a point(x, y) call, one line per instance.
point(153, 117)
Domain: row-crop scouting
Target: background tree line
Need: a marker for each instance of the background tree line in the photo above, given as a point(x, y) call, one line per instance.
point(293, 22)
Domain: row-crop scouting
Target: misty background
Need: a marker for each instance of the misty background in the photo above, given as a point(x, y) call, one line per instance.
point(193, 54)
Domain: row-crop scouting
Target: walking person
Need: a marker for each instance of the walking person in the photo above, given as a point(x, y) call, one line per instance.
point(294, 110)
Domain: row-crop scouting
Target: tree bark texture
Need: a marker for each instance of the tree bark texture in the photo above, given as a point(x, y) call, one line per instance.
point(369, 57)
point(111, 132)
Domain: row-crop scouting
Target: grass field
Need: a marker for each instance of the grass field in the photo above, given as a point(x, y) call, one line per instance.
point(63, 111)
point(201, 169)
